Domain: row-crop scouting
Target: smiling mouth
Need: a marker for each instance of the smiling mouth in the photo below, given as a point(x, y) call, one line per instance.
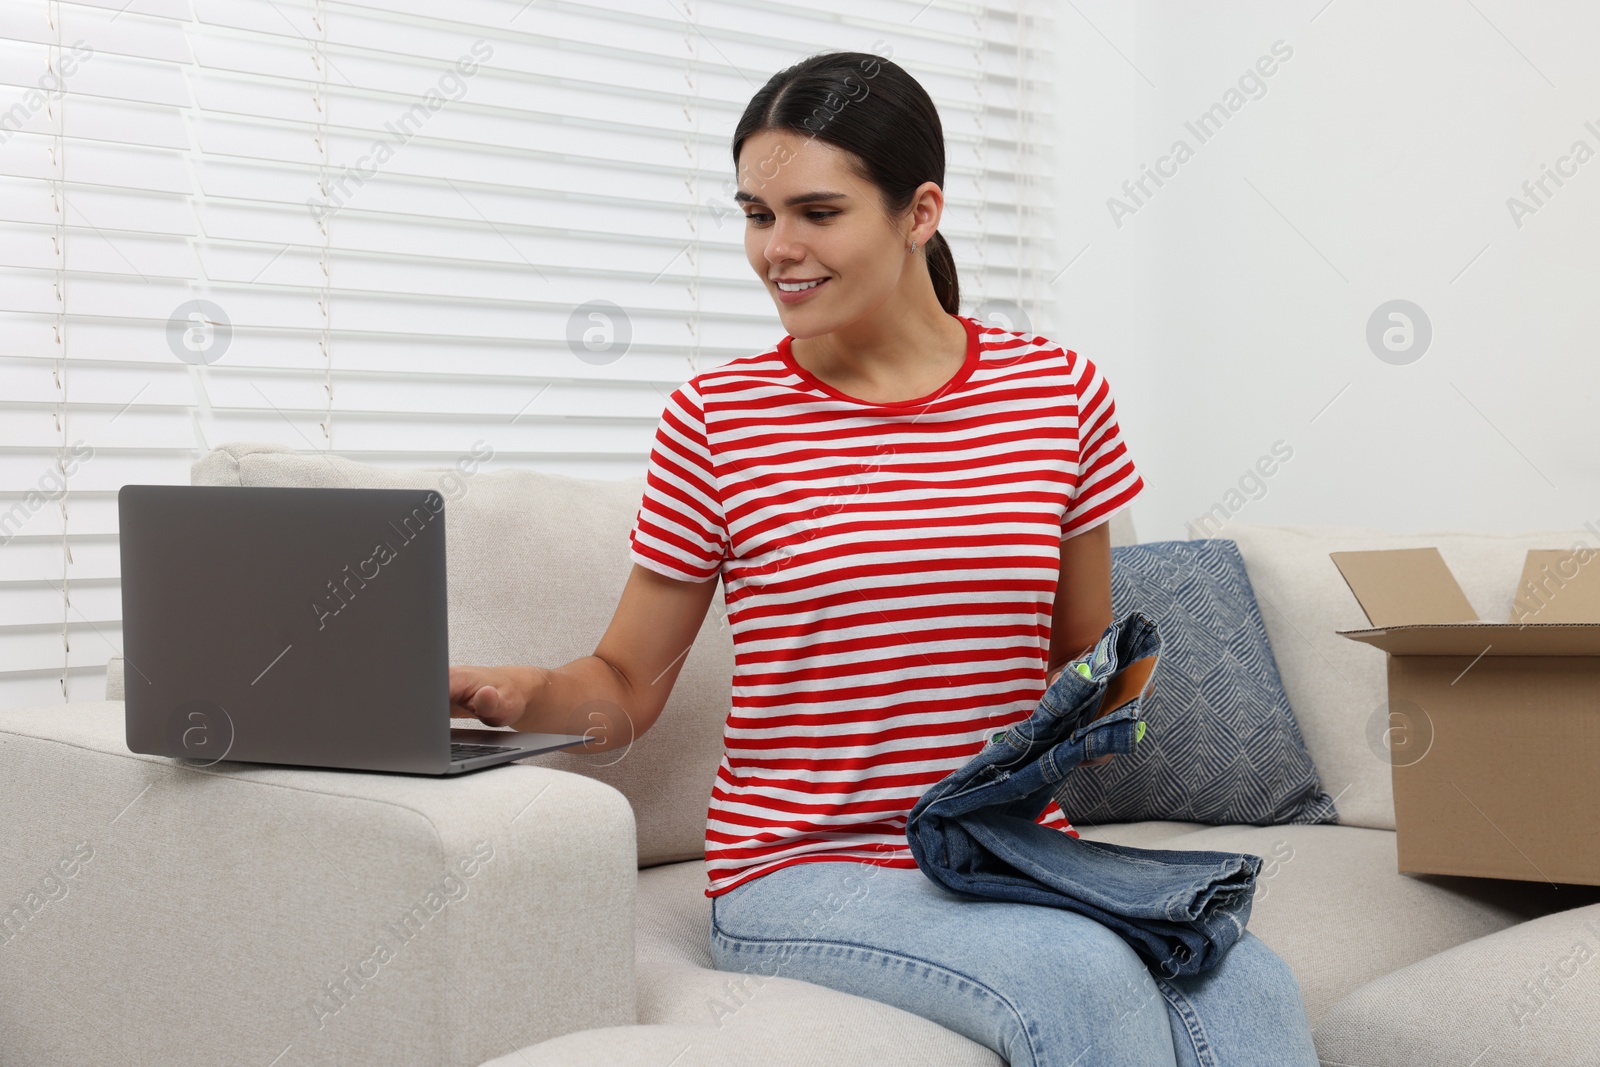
point(798, 287)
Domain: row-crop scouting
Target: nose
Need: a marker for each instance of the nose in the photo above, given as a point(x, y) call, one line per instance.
point(780, 248)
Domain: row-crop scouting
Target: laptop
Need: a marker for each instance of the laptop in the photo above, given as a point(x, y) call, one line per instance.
point(295, 626)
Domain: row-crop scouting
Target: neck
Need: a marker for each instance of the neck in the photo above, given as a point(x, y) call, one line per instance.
point(888, 344)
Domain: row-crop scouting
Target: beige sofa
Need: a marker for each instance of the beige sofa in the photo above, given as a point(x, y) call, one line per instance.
point(234, 914)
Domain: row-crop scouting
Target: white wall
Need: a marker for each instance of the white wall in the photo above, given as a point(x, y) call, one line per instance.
point(1231, 308)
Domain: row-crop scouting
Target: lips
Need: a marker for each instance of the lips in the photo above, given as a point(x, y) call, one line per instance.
point(802, 294)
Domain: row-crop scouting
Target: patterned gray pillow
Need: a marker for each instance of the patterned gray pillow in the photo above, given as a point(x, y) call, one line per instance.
point(1222, 746)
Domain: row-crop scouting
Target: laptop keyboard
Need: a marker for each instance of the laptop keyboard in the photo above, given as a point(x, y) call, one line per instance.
point(460, 750)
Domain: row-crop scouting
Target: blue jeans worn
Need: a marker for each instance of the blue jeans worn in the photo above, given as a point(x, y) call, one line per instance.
point(1040, 986)
point(974, 831)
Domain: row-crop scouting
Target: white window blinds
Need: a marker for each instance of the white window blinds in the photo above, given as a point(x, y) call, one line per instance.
point(371, 228)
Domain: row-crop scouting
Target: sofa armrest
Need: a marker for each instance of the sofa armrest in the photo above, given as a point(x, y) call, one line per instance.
point(157, 912)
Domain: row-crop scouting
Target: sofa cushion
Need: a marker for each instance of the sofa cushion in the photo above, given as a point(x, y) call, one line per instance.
point(1331, 902)
point(797, 1028)
point(1222, 747)
point(536, 564)
point(786, 1035)
point(1527, 993)
point(1338, 687)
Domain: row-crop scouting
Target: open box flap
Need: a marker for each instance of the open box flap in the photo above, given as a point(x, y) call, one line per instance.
point(1484, 638)
point(1402, 586)
point(1555, 587)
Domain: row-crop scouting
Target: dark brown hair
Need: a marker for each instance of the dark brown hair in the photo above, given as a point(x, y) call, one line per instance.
point(873, 109)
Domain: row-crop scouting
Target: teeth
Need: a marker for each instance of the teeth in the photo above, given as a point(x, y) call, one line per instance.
point(786, 287)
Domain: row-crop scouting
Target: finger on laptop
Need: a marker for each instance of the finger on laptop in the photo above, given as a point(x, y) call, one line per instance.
point(474, 695)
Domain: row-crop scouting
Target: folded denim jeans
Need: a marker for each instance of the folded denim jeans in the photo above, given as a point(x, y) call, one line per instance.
point(974, 831)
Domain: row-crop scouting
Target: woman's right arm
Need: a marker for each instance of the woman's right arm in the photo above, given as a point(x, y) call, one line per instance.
point(612, 696)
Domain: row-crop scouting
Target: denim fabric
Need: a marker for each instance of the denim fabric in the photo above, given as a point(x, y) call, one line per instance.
point(1041, 987)
point(974, 832)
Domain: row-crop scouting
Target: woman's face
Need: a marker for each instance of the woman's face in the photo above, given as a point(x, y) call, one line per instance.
point(842, 236)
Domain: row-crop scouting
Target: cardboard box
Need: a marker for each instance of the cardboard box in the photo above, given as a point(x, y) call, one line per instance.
point(1494, 728)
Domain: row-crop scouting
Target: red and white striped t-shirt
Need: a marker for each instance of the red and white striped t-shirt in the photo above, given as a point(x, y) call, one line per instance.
point(889, 571)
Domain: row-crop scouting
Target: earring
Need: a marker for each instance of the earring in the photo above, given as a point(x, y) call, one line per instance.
point(913, 244)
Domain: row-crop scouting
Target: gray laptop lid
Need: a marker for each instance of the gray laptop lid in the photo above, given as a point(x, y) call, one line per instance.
point(295, 625)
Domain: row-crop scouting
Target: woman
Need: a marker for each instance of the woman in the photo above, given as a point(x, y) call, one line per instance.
point(908, 512)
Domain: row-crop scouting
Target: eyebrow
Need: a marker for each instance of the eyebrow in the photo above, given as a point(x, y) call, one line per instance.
point(802, 198)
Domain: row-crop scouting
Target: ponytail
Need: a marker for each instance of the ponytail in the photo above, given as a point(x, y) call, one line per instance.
point(942, 269)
